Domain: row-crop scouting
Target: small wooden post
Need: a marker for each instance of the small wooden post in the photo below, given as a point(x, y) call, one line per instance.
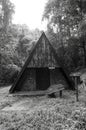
point(76, 87)
point(60, 93)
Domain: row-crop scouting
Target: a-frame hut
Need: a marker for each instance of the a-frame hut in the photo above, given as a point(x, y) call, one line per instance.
point(41, 69)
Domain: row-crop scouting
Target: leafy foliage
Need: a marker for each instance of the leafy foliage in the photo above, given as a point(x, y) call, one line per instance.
point(14, 47)
point(66, 21)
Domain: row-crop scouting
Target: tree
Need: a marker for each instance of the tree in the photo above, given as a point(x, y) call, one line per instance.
point(82, 39)
point(7, 9)
point(63, 15)
point(64, 19)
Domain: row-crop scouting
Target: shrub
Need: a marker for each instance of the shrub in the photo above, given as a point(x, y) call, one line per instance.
point(9, 73)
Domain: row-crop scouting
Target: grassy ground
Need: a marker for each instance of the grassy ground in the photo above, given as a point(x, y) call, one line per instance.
point(42, 113)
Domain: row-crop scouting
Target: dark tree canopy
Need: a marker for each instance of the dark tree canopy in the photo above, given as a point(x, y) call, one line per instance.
point(67, 23)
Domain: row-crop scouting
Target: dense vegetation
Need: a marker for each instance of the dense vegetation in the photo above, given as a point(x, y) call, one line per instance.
point(66, 30)
point(15, 43)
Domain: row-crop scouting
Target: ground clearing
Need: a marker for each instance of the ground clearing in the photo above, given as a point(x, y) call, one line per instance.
point(42, 113)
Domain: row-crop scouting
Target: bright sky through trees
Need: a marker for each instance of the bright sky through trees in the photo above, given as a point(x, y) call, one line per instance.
point(29, 12)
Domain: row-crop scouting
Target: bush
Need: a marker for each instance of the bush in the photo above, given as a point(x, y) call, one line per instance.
point(9, 73)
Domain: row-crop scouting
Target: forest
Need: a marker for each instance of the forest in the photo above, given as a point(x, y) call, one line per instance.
point(66, 30)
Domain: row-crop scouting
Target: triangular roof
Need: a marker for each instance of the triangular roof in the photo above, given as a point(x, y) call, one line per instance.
point(43, 54)
point(56, 61)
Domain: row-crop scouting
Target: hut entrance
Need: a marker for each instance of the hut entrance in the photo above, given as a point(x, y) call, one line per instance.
point(42, 78)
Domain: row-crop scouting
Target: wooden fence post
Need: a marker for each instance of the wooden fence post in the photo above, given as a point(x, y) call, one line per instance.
point(76, 87)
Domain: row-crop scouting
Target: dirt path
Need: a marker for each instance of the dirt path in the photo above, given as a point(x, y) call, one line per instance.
point(9, 102)
point(21, 103)
point(6, 99)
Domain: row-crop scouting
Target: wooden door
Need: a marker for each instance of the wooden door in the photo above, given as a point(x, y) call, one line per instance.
point(42, 78)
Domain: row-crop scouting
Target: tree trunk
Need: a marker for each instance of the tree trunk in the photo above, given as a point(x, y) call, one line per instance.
point(84, 49)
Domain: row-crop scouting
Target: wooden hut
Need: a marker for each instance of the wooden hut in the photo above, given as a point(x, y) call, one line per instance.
point(41, 69)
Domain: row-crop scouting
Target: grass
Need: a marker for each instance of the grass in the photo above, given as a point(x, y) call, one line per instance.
point(43, 113)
